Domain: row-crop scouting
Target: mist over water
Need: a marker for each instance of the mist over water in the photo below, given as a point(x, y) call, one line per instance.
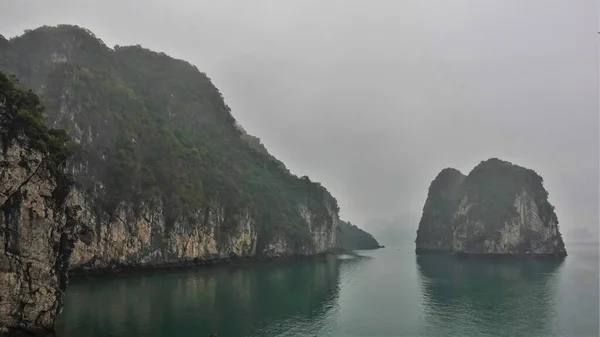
point(387, 292)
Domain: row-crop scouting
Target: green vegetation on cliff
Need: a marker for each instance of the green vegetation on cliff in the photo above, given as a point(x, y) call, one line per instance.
point(150, 127)
point(35, 223)
point(492, 189)
point(494, 184)
point(435, 226)
point(21, 114)
point(351, 237)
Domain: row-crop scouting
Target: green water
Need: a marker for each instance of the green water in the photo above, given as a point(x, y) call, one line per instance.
point(388, 292)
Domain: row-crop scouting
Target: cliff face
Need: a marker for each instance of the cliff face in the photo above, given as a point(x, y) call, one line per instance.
point(526, 232)
point(503, 209)
point(141, 238)
point(38, 224)
point(435, 228)
point(351, 237)
point(164, 174)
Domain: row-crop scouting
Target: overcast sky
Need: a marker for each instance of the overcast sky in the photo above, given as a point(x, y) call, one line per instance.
point(374, 98)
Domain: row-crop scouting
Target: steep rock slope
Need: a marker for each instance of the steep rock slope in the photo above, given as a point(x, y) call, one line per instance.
point(435, 227)
point(498, 209)
point(163, 172)
point(37, 225)
point(503, 209)
point(351, 237)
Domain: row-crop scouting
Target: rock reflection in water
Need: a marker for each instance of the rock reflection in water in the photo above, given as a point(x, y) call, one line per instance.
point(200, 302)
point(488, 294)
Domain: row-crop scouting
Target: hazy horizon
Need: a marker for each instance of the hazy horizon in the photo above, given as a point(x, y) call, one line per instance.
point(374, 99)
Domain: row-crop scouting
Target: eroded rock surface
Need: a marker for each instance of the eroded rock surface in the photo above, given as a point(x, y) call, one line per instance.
point(36, 240)
point(498, 209)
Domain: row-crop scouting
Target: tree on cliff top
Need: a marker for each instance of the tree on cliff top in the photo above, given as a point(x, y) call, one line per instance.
point(21, 114)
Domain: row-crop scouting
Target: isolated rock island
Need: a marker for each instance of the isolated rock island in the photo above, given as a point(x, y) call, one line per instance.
point(498, 209)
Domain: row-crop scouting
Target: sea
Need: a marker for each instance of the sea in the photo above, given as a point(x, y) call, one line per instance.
point(385, 292)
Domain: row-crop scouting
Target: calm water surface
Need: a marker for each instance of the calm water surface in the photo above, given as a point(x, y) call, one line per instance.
point(388, 292)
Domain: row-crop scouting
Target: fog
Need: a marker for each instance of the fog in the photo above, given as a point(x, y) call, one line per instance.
point(374, 98)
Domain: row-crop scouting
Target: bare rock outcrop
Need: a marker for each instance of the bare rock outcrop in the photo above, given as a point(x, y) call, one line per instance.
point(37, 223)
point(498, 209)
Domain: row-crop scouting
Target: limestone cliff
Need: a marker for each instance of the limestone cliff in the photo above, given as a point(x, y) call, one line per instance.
point(503, 209)
point(141, 238)
point(435, 228)
point(37, 223)
point(164, 174)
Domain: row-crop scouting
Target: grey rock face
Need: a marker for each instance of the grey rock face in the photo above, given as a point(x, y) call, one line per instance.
point(499, 209)
point(134, 239)
point(524, 233)
point(35, 241)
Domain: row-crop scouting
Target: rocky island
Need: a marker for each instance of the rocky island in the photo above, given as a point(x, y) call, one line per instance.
point(498, 209)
